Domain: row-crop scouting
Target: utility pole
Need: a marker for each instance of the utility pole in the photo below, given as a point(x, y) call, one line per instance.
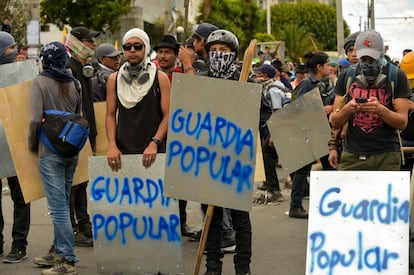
point(339, 28)
point(371, 15)
point(269, 31)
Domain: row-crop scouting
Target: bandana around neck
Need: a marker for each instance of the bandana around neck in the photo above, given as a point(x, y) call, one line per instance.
point(132, 90)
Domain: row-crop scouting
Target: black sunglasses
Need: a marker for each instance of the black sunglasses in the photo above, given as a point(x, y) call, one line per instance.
point(137, 46)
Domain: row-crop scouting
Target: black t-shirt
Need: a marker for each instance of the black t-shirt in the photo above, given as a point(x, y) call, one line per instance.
point(367, 133)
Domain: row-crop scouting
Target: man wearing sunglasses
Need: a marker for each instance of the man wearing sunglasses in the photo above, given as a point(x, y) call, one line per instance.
point(140, 95)
point(81, 44)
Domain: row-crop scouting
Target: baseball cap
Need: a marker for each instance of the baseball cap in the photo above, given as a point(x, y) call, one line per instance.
point(83, 33)
point(106, 49)
point(369, 43)
point(266, 69)
point(204, 29)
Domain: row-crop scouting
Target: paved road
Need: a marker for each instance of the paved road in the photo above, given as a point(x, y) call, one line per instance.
point(279, 242)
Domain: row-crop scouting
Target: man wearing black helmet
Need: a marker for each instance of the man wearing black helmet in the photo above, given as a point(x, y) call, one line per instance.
point(222, 46)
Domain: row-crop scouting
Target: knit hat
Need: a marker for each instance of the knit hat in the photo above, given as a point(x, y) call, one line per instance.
point(6, 41)
point(141, 34)
point(369, 43)
point(350, 41)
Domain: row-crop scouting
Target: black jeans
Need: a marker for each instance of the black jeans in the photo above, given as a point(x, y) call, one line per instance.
point(242, 226)
point(21, 216)
point(270, 158)
point(79, 205)
point(298, 186)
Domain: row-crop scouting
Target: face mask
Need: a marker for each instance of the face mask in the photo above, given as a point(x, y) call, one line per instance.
point(222, 64)
point(8, 58)
point(371, 70)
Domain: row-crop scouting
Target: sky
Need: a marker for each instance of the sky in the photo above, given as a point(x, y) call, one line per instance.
point(397, 33)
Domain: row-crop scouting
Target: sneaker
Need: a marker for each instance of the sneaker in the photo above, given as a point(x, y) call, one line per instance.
point(274, 196)
point(82, 240)
point(63, 268)
point(229, 249)
point(16, 255)
point(50, 259)
point(299, 213)
point(228, 241)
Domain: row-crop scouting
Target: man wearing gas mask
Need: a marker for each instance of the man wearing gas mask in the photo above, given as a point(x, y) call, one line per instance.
point(375, 104)
point(81, 44)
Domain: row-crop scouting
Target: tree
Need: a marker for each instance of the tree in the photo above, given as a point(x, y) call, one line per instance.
point(238, 16)
point(89, 13)
point(317, 19)
point(16, 11)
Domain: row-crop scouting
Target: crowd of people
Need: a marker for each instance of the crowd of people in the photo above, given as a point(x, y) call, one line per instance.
point(366, 115)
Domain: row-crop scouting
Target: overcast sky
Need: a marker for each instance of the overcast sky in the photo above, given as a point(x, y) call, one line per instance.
point(397, 33)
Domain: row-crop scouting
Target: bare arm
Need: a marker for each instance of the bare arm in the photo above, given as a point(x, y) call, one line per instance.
point(150, 152)
point(114, 155)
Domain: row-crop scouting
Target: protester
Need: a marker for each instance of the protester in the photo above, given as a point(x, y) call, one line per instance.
point(167, 53)
point(191, 64)
point(81, 44)
point(373, 110)
point(21, 210)
point(318, 65)
point(5, 26)
point(271, 88)
point(142, 108)
point(222, 47)
point(109, 60)
point(337, 135)
point(55, 88)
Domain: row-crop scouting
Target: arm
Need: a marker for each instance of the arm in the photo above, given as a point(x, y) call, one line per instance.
point(187, 58)
point(150, 152)
point(114, 155)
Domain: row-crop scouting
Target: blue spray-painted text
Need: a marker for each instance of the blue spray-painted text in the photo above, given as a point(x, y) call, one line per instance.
point(375, 210)
point(361, 257)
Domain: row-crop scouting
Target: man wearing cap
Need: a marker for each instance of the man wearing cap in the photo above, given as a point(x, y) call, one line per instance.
point(265, 74)
point(21, 210)
point(372, 109)
point(81, 44)
point(109, 60)
point(167, 52)
point(187, 56)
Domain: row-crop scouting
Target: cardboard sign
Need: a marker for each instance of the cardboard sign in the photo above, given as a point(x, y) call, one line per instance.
point(11, 74)
point(15, 115)
point(300, 131)
point(101, 140)
point(136, 229)
point(211, 144)
point(358, 223)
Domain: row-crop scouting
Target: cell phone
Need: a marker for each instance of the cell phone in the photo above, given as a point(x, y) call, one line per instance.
point(361, 100)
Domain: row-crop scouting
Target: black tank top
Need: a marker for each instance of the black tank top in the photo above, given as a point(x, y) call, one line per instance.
point(138, 125)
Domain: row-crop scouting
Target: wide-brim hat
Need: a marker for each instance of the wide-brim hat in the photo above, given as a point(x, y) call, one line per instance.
point(168, 41)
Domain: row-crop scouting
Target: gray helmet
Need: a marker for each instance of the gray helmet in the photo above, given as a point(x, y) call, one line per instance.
point(225, 37)
point(350, 40)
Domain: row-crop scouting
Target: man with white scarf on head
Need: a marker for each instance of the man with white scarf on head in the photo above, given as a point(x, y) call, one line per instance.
point(141, 96)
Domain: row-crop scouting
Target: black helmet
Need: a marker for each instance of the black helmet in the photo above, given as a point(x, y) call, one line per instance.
point(350, 40)
point(225, 37)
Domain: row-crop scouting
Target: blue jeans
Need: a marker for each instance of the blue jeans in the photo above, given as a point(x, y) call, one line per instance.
point(57, 176)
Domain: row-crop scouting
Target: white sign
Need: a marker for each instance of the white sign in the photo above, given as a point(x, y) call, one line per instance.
point(358, 223)
point(136, 229)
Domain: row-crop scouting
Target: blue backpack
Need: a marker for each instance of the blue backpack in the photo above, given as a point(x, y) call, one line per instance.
point(64, 133)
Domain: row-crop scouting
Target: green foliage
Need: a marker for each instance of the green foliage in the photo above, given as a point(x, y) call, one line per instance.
point(90, 13)
point(238, 16)
point(317, 19)
point(264, 37)
point(16, 11)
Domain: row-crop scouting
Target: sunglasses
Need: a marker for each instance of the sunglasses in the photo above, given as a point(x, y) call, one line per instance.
point(137, 46)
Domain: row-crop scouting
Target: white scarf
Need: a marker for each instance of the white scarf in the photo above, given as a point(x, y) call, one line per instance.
point(131, 93)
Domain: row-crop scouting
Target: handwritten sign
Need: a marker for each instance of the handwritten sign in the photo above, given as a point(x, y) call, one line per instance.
point(136, 228)
point(358, 223)
point(300, 131)
point(212, 137)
